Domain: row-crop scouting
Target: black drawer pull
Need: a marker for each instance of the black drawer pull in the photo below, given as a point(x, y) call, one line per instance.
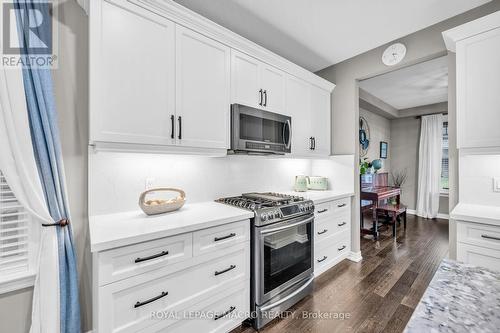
point(231, 309)
point(216, 239)
point(341, 248)
point(225, 270)
point(490, 237)
point(322, 259)
point(341, 205)
point(163, 294)
point(322, 232)
point(163, 253)
point(342, 224)
point(322, 211)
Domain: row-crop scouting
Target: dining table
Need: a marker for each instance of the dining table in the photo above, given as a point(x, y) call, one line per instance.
point(376, 194)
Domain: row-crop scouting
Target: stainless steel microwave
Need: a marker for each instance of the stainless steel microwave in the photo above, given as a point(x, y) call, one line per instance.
point(260, 132)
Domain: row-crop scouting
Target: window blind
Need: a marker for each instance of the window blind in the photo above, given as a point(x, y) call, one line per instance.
point(14, 233)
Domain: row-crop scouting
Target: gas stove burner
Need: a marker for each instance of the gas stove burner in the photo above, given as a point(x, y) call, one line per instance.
point(271, 207)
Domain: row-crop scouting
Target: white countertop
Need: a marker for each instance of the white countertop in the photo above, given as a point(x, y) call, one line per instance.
point(114, 230)
point(476, 213)
point(321, 196)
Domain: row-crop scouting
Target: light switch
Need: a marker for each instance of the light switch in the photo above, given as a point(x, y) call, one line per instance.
point(496, 184)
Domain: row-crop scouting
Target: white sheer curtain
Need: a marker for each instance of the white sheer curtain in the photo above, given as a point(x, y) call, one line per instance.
point(429, 165)
point(18, 166)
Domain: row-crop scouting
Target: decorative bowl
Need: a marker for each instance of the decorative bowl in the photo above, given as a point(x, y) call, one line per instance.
point(154, 207)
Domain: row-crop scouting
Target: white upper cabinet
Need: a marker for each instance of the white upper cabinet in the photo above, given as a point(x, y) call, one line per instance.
point(299, 108)
point(245, 80)
point(132, 75)
point(202, 90)
point(477, 46)
point(309, 107)
point(320, 121)
point(273, 85)
point(257, 84)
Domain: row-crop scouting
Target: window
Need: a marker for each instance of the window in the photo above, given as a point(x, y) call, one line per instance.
point(17, 246)
point(444, 161)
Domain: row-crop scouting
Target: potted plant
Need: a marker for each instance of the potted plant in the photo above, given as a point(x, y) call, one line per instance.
point(364, 166)
point(398, 179)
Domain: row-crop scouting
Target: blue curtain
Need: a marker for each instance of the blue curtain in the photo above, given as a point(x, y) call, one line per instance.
point(42, 114)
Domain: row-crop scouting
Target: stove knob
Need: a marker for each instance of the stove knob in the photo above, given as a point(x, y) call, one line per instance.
point(301, 208)
point(263, 216)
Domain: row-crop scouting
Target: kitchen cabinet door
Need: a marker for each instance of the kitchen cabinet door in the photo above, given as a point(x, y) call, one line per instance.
point(202, 90)
point(245, 80)
point(132, 75)
point(299, 106)
point(478, 87)
point(320, 121)
point(273, 83)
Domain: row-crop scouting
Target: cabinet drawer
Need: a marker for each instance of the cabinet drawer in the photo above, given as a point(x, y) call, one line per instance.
point(327, 227)
point(331, 251)
point(341, 206)
point(229, 307)
point(213, 239)
point(479, 256)
point(479, 234)
point(127, 305)
point(136, 259)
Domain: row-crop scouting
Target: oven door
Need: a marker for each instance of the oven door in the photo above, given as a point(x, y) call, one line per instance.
point(284, 253)
point(259, 131)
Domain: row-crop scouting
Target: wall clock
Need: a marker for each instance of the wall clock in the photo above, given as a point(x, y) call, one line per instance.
point(394, 54)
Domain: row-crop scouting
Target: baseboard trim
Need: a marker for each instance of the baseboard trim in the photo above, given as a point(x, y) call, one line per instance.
point(439, 216)
point(355, 256)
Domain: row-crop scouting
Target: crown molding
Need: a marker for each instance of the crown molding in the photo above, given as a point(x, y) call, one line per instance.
point(472, 28)
point(185, 17)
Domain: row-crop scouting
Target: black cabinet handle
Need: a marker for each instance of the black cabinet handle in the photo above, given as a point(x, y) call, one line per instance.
point(161, 254)
point(261, 97)
point(311, 143)
point(341, 248)
point(341, 205)
point(180, 127)
point(163, 294)
point(216, 239)
point(490, 237)
point(322, 211)
point(322, 259)
point(231, 309)
point(265, 97)
point(322, 232)
point(314, 143)
point(225, 270)
point(342, 224)
point(172, 123)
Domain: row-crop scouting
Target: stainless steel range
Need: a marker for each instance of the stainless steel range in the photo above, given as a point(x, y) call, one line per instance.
point(282, 251)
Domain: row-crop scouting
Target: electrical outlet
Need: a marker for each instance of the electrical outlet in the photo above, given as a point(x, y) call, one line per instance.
point(496, 184)
point(149, 183)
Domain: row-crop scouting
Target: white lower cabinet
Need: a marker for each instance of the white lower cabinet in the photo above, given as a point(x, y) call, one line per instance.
point(478, 244)
point(332, 234)
point(174, 286)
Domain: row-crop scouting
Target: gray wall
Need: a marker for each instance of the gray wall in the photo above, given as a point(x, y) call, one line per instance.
point(452, 151)
point(422, 45)
point(70, 84)
point(380, 130)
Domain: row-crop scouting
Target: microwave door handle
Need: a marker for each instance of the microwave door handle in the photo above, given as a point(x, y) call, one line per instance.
point(287, 140)
point(273, 230)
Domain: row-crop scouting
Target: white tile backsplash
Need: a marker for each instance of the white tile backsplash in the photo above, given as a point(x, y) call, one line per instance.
point(476, 179)
point(117, 179)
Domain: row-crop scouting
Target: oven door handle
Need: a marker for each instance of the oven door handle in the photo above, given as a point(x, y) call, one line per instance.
point(288, 226)
point(283, 300)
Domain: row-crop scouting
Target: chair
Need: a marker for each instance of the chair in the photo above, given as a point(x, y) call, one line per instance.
point(394, 211)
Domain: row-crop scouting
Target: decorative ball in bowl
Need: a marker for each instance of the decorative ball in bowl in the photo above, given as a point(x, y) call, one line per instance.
point(160, 206)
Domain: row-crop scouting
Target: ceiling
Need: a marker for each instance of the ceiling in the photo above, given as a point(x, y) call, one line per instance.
point(421, 84)
point(317, 34)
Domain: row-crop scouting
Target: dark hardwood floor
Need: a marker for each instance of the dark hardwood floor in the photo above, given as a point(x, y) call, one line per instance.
point(377, 294)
